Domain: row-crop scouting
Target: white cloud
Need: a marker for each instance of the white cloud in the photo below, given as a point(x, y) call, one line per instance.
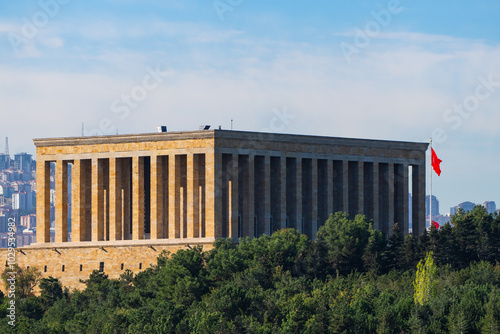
point(6, 27)
point(53, 42)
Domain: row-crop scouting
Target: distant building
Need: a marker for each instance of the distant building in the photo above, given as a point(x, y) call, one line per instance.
point(26, 238)
point(3, 223)
point(7, 191)
point(29, 221)
point(490, 206)
point(4, 161)
point(6, 176)
point(22, 200)
point(20, 186)
point(435, 206)
point(465, 206)
point(52, 193)
point(21, 175)
point(441, 220)
point(23, 161)
point(453, 210)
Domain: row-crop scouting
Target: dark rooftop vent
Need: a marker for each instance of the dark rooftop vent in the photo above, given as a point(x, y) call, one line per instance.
point(204, 127)
point(162, 128)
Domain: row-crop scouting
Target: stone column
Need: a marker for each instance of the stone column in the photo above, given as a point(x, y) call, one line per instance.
point(330, 185)
point(78, 202)
point(345, 186)
point(97, 200)
point(390, 177)
point(418, 199)
point(376, 198)
point(406, 219)
point(314, 198)
point(157, 199)
point(127, 198)
point(233, 198)
point(137, 198)
point(213, 206)
point(43, 201)
point(298, 188)
point(267, 195)
point(61, 201)
point(283, 191)
point(173, 192)
point(361, 190)
point(115, 199)
point(251, 196)
point(399, 196)
point(192, 180)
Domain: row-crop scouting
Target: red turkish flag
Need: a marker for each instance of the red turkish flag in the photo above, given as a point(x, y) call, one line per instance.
point(435, 162)
point(436, 224)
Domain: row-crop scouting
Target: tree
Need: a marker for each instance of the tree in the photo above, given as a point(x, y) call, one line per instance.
point(393, 254)
point(373, 255)
point(424, 280)
point(50, 291)
point(410, 255)
point(25, 279)
point(491, 321)
point(344, 241)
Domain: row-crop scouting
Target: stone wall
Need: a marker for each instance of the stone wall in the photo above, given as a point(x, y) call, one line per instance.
point(73, 262)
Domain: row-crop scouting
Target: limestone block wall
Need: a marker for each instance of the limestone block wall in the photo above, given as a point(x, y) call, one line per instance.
point(70, 264)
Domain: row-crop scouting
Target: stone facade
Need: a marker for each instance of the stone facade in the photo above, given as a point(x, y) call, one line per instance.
point(135, 195)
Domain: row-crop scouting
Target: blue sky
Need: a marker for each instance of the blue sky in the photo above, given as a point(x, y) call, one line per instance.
point(402, 70)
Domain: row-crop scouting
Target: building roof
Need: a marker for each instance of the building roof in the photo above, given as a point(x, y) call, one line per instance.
point(229, 134)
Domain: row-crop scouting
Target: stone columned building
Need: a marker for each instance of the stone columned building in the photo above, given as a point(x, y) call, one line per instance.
point(133, 196)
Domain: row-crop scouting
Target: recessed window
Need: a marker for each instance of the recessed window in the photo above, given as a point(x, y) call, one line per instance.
point(45, 269)
point(122, 266)
point(101, 267)
point(140, 266)
point(63, 267)
point(81, 267)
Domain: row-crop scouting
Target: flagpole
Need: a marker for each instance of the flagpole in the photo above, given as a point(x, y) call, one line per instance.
point(430, 197)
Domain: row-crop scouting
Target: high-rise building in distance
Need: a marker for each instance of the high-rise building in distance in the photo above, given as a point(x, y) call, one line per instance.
point(23, 161)
point(4, 161)
point(435, 205)
point(465, 206)
point(490, 206)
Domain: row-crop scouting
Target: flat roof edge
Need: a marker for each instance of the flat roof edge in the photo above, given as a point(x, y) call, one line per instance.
point(223, 134)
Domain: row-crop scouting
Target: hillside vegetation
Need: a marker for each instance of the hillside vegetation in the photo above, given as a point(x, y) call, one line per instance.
point(350, 279)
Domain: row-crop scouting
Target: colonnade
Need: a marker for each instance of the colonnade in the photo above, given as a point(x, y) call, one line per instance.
point(223, 194)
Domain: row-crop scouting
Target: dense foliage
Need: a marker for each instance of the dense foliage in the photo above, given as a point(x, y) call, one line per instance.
point(350, 279)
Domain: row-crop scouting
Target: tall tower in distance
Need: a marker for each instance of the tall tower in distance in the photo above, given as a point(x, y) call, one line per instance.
point(7, 146)
point(5, 158)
